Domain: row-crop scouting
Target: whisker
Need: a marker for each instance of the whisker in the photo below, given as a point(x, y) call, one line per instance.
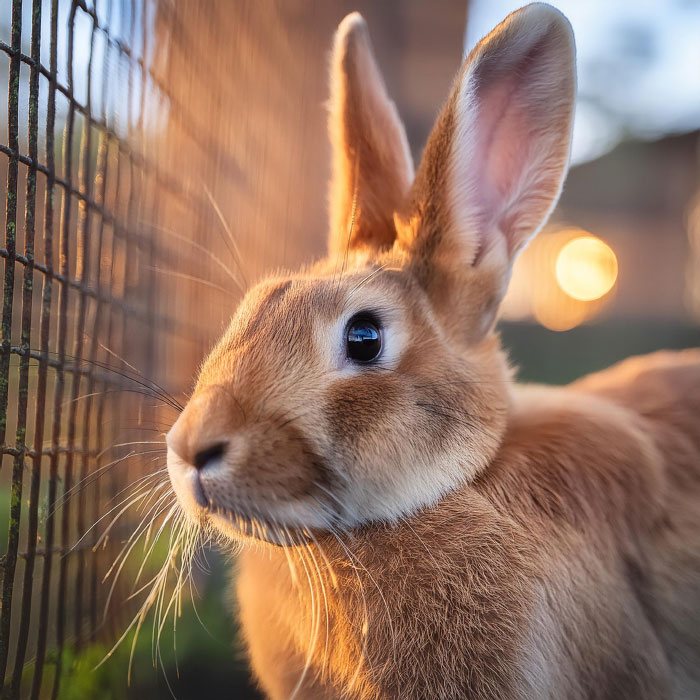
point(206, 251)
point(363, 282)
point(118, 357)
point(365, 626)
point(133, 539)
point(123, 390)
point(129, 444)
point(182, 540)
point(312, 643)
point(157, 389)
point(124, 554)
point(152, 475)
point(150, 550)
point(131, 500)
point(94, 476)
point(328, 492)
point(236, 253)
point(190, 278)
point(325, 598)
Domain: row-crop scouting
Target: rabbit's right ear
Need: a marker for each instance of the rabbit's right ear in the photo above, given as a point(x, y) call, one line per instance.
point(372, 165)
point(493, 167)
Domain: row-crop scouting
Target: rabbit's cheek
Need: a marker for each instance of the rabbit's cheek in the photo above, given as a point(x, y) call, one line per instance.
point(361, 407)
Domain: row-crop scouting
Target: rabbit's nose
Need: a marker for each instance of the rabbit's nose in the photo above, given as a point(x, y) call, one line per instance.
point(201, 435)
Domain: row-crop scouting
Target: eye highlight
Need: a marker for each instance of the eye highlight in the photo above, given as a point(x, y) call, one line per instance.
point(363, 341)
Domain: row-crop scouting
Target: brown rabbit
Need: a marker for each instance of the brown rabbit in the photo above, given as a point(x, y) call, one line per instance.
point(415, 525)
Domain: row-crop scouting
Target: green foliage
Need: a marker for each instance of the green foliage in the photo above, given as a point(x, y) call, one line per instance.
point(199, 654)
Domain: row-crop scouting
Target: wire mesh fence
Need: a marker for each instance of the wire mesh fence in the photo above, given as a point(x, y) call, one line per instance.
point(80, 314)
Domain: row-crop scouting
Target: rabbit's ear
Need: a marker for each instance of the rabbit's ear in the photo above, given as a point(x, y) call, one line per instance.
point(372, 166)
point(493, 166)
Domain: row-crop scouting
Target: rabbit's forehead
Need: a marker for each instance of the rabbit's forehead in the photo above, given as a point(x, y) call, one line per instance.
point(291, 320)
point(297, 302)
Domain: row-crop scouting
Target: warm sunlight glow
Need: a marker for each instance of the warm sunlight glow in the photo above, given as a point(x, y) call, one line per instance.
point(564, 278)
point(586, 268)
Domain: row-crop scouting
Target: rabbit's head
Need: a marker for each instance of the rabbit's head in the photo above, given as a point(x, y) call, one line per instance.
point(372, 384)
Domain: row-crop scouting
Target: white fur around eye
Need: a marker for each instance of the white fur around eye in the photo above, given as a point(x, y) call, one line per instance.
point(391, 327)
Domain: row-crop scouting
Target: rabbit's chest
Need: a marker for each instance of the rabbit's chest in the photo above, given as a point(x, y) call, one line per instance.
point(387, 621)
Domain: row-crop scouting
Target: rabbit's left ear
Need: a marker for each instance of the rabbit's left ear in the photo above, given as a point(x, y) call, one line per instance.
point(372, 166)
point(493, 166)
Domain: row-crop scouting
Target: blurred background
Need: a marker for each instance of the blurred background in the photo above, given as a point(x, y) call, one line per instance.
point(158, 157)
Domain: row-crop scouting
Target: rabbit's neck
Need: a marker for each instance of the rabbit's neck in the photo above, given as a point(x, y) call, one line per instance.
point(350, 605)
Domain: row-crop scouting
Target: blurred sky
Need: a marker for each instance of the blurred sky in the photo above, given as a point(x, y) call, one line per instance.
point(638, 66)
point(638, 62)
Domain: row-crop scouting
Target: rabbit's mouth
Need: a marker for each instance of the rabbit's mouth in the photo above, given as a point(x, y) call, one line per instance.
point(282, 522)
point(242, 528)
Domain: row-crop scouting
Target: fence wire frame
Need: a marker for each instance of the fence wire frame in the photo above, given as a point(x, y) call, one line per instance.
point(100, 190)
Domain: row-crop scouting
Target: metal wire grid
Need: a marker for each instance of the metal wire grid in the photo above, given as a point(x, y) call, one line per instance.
point(70, 309)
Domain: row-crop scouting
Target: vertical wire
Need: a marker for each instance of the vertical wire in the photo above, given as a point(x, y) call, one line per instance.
point(150, 413)
point(83, 276)
point(101, 197)
point(27, 301)
point(132, 258)
point(114, 485)
point(151, 284)
point(43, 367)
point(10, 242)
point(63, 294)
point(116, 481)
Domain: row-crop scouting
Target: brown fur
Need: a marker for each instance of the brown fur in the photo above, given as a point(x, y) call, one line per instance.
point(372, 167)
point(539, 580)
point(421, 527)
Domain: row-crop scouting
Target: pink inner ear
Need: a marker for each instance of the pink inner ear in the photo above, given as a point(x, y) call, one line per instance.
point(507, 139)
point(514, 119)
point(502, 141)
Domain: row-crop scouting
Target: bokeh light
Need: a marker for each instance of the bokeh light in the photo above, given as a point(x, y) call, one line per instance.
point(564, 278)
point(586, 268)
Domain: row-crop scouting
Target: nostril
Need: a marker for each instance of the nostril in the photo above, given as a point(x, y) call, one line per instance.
point(205, 457)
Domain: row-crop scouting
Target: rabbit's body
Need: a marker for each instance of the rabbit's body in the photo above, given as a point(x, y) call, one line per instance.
point(569, 569)
point(440, 532)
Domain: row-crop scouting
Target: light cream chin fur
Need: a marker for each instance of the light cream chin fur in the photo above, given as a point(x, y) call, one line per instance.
point(418, 526)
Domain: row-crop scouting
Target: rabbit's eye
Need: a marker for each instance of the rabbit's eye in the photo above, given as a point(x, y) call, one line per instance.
point(364, 342)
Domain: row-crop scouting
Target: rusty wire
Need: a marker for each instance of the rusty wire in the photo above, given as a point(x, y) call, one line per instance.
point(71, 306)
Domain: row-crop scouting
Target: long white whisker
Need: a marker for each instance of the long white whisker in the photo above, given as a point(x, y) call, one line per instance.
point(190, 278)
point(313, 630)
point(325, 600)
point(206, 252)
point(118, 571)
point(129, 500)
point(365, 625)
point(237, 257)
point(133, 442)
point(96, 474)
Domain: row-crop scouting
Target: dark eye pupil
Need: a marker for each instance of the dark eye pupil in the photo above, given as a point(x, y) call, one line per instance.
point(363, 341)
